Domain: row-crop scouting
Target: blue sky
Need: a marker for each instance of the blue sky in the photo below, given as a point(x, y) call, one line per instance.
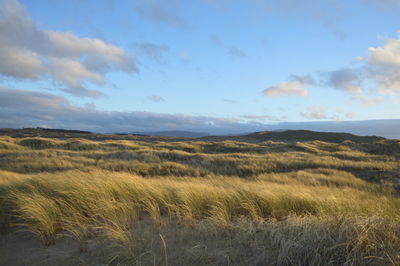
point(198, 64)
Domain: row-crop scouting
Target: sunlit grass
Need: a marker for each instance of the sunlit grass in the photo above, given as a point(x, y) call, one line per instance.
point(269, 203)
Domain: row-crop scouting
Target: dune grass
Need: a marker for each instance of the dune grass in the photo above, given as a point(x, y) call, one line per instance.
point(201, 203)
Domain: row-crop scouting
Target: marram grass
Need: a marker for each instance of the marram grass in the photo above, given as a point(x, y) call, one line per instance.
point(200, 203)
point(86, 205)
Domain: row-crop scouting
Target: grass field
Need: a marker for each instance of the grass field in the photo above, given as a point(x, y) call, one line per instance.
point(165, 201)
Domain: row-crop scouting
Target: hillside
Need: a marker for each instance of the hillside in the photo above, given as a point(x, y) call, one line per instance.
point(296, 135)
point(287, 135)
point(81, 198)
point(66, 134)
point(307, 135)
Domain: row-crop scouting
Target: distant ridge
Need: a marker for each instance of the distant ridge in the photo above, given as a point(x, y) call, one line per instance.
point(60, 130)
point(296, 135)
point(44, 130)
point(388, 128)
point(308, 135)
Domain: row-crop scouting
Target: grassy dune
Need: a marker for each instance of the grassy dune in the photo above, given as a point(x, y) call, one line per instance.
point(78, 201)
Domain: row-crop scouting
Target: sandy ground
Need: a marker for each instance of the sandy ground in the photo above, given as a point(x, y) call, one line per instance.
point(23, 248)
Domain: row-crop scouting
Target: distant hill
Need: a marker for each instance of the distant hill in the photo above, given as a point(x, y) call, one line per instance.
point(307, 135)
point(66, 134)
point(388, 128)
point(295, 135)
point(41, 129)
point(177, 133)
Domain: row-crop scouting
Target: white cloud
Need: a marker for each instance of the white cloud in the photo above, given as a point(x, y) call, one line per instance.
point(389, 54)
point(70, 44)
point(27, 51)
point(287, 88)
point(296, 85)
point(73, 73)
point(383, 66)
point(20, 63)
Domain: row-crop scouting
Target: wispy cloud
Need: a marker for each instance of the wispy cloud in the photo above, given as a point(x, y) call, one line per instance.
point(156, 98)
point(234, 51)
point(324, 12)
point(28, 52)
point(184, 57)
point(389, 5)
point(229, 101)
point(229, 49)
point(160, 11)
point(153, 50)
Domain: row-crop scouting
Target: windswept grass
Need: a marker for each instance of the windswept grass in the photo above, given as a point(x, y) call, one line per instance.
point(201, 203)
point(110, 206)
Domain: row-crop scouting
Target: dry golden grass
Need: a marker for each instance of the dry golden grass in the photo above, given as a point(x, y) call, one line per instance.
point(201, 203)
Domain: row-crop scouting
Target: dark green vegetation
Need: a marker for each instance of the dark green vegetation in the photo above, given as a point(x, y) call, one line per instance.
point(250, 200)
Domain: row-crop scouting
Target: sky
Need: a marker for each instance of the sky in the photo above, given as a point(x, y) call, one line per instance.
point(215, 66)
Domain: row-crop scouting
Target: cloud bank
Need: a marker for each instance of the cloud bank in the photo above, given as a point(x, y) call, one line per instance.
point(23, 108)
